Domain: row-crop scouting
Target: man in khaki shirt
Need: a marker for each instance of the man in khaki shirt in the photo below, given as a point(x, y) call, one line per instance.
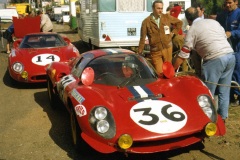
point(157, 27)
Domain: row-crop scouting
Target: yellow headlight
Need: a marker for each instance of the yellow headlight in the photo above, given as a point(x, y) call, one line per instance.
point(24, 74)
point(210, 129)
point(125, 141)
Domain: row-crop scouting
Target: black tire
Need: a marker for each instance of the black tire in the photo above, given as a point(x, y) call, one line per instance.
point(79, 144)
point(53, 99)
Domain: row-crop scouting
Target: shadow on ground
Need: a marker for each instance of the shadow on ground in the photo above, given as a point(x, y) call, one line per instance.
point(60, 133)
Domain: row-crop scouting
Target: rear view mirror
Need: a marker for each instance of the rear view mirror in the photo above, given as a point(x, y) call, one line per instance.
point(168, 70)
point(87, 76)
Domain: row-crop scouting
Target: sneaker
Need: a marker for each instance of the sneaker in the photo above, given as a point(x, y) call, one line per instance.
point(8, 52)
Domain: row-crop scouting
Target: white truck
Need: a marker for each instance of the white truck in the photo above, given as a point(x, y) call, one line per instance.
point(115, 23)
point(57, 12)
point(65, 15)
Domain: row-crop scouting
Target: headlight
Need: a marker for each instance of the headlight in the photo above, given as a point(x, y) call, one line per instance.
point(207, 106)
point(17, 67)
point(210, 129)
point(125, 141)
point(24, 74)
point(100, 113)
point(102, 126)
point(102, 122)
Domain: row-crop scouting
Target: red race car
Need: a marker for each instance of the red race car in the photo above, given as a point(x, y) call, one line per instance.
point(117, 102)
point(30, 55)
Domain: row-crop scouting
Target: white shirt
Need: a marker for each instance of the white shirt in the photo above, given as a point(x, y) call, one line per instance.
point(208, 38)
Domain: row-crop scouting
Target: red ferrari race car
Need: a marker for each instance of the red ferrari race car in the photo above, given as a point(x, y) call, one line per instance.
point(30, 55)
point(117, 102)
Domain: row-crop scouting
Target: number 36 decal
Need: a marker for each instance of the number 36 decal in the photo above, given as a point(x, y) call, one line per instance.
point(158, 116)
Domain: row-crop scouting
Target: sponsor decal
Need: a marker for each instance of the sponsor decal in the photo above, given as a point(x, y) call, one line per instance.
point(44, 59)
point(66, 80)
point(77, 96)
point(158, 116)
point(80, 110)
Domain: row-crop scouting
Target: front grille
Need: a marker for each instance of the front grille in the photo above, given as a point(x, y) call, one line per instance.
point(39, 77)
point(167, 141)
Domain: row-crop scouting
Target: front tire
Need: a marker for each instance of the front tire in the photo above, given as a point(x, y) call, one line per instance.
point(51, 95)
point(79, 143)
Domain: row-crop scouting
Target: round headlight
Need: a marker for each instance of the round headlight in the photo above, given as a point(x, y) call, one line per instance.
point(24, 74)
point(125, 141)
point(210, 129)
point(102, 126)
point(203, 101)
point(100, 113)
point(17, 67)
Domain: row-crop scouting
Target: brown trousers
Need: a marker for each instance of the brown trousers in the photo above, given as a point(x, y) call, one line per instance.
point(159, 57)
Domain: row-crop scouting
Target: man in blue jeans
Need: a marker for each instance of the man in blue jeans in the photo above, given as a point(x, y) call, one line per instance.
point(229, 18)
point(208, 38)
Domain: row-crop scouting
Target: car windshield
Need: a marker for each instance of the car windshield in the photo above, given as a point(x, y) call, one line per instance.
point(42, 41)
point(122, 70)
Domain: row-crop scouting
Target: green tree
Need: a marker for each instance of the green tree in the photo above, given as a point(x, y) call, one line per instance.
point(211, 6)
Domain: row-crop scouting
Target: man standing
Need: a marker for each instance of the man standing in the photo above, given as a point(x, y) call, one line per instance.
point(208, 38)
point(157, 28)
point(230, 20)
point(46, 24)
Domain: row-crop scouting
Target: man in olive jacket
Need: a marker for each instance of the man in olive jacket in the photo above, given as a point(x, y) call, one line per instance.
point(157, 27)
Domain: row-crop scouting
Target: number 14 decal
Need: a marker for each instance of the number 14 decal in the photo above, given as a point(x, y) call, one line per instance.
point(51, 57)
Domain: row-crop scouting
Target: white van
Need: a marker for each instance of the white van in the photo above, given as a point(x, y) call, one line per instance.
point(115, 23)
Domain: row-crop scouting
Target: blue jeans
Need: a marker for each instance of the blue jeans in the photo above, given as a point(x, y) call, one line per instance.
point(236, 76)
point(219, 71)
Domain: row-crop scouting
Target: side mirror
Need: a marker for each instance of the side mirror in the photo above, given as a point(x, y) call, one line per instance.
point(67, 40)
point(87, 76)
point(168, 70)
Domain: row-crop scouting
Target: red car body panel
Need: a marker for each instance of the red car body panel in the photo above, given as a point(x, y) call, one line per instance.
point(126, 105)
point(35, 60)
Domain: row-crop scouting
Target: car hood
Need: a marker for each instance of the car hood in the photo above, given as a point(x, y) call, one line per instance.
point(166, 108)
point(38, 59)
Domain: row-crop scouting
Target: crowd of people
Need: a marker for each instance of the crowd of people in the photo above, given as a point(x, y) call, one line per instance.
point(212, 45)
point(45, 26)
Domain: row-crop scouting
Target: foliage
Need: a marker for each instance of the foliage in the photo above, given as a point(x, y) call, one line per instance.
point(211, 6)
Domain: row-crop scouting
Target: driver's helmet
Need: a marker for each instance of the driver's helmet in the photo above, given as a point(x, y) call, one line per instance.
point(129, 68)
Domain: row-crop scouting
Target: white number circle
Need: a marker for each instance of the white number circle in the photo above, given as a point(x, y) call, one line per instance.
point(158, 116)
point(44, 59)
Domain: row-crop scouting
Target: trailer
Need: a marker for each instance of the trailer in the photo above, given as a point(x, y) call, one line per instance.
point(115, 23)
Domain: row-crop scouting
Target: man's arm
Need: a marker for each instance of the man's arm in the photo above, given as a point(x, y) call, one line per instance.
point(178, 62)
point(142, 37)
point(177, 24)
point(235, 33)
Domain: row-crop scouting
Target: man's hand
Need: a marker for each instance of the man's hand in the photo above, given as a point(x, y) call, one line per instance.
point(228, 34)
